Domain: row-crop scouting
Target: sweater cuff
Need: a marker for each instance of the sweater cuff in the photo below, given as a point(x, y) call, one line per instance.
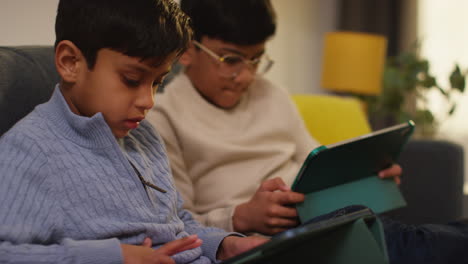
point(106, 251)
point(212, 241)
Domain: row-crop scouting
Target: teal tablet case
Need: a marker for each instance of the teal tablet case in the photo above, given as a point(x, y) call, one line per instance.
point(346, 173)
point(334, 177)
point(355, 238)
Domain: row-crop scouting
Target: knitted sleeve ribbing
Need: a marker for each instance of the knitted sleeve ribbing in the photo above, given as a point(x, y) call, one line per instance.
point(30, 213)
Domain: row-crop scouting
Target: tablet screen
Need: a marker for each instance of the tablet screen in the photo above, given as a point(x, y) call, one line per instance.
point(350, 160)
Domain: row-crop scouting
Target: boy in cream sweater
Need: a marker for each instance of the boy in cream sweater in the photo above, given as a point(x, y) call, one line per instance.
point(236, 141)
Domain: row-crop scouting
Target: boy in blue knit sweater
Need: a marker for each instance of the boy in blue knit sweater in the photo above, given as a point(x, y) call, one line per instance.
point(84, 178)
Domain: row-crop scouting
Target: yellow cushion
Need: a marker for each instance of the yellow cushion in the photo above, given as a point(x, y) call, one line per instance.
point(330, 119)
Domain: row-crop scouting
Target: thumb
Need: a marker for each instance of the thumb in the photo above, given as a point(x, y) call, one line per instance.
point(147, 242)
point(275, 184)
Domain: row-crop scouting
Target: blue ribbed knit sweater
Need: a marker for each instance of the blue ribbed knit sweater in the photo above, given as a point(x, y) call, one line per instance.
point(68, 193)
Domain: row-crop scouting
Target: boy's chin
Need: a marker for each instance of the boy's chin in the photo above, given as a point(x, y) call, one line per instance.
point(120, 133)
point(228, 103)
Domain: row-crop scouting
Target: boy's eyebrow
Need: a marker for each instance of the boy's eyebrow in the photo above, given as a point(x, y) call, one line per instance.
point(138, 68)
point(242, 54)
point(143, 69)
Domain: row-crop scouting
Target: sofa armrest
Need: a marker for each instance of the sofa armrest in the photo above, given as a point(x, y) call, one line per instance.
point(432, 182)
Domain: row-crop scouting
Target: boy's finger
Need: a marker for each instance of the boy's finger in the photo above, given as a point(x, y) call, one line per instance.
point(397, 180)
point(275, 184)
point(289, 197)
point(282, 222)
point(147, 242)
point(180, 245)
point(283, 212)
point(394, 171)
point(195, 244)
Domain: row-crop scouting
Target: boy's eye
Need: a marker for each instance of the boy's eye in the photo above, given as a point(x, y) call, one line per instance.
point(232, 59)
point(131, 82)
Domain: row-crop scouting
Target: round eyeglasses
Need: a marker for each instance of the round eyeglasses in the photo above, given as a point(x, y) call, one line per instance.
point(230, 65)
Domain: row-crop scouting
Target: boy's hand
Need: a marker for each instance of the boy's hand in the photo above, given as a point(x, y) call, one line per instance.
point(234, 245)
point(145, 254)
point(269, 211)
point(393, 172)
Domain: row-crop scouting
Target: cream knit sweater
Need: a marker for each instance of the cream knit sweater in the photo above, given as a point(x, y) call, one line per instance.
point(219, 157)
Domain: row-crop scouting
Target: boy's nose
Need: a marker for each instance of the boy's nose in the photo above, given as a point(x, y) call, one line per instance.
point(246, 75)
point(145, 99)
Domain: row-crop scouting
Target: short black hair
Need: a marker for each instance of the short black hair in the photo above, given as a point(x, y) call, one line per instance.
point(137, 28)
point(243, 22)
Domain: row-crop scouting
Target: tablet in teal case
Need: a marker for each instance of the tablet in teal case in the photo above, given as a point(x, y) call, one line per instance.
point(352, 238)
point(345, 173)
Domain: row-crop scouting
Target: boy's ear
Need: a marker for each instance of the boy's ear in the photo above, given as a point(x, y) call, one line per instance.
point(69, 61)
point(187, 57)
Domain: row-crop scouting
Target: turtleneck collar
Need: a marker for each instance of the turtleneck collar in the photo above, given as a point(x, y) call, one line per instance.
point(90, 132)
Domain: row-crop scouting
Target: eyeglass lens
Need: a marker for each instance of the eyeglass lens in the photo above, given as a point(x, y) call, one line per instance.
point(232, 65)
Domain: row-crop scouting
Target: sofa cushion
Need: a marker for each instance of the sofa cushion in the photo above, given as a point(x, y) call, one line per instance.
point(27, 78)
point(330, 119)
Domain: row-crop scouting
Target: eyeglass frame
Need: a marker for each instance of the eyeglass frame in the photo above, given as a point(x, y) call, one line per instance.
point(253, 63)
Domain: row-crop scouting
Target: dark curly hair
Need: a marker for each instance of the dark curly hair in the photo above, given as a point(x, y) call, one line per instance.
point(243, 22)
point(137, 28)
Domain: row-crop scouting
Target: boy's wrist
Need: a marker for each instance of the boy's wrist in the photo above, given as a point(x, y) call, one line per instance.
point(226, 250)
point(234, 245)
point(239, 222)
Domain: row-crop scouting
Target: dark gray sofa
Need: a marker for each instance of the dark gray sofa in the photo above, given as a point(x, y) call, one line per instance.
point(27, 78)
point(432, 182)
point(433, 170)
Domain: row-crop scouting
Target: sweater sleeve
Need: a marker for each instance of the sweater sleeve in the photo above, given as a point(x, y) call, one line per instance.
point(304, 140)
point(31, 217)
point(212, 237)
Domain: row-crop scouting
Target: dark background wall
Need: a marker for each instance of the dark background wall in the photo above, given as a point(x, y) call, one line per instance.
point(373, 16)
